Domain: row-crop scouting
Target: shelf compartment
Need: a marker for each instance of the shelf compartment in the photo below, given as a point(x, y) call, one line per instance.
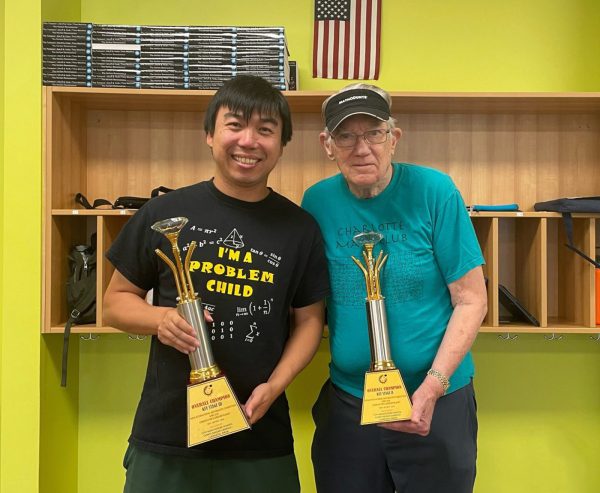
point(67, 231)
point(108, 228)
point(571, 279)
point(64, 233)
point(522, 265)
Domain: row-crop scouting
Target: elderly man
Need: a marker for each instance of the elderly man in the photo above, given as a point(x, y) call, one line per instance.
point(435, 298)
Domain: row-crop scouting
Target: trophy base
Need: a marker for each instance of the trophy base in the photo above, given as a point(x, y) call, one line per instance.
point(213, 411)
point(385, 398)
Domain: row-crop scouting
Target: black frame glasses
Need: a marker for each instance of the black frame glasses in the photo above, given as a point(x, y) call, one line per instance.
point(371, 137)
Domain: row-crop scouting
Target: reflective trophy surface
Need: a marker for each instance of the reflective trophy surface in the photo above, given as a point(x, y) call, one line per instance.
point(213, 408)
point(385, 397)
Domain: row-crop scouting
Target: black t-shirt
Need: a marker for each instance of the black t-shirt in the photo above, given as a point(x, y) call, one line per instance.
point(253, 262)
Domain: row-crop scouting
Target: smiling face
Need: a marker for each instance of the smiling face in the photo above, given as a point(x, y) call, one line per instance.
point(367, 168)
point(246, 151)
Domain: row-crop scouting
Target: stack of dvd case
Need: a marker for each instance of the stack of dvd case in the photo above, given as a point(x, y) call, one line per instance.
point(168, 57)
point(212, 56)
point(164, 57)
point(262, 51)
point(220, 53)
point(116, 56)
point(67, 54)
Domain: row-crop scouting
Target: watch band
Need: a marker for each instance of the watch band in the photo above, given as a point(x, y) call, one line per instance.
point(440, 377)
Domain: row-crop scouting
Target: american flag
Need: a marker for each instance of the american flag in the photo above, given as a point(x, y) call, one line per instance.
point(346, 39)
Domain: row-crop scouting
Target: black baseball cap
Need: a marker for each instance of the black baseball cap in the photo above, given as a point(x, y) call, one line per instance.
point(355, 102)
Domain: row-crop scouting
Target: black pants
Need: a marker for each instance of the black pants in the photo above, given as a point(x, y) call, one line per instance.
point(350, 458)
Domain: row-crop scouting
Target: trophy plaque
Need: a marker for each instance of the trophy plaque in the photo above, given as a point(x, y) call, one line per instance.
point(385, 397)
point(213, 410)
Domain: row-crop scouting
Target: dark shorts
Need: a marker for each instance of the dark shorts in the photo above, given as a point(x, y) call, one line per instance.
point(350, 458)
point(149, 472)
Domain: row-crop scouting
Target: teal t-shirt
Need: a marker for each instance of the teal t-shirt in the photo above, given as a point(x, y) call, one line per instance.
point(431, 243)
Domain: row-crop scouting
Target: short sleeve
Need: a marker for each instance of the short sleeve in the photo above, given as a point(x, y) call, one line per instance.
point(132, 253)
point(455, 244)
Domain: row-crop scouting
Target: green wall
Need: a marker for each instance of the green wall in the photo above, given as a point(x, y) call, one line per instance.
point(428, 45)
point(21, 234)
point(1, 196)
point(61, 11)
point(538, 400)
point(538, 414)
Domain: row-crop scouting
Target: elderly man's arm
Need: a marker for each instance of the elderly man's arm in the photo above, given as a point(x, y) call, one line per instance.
point(469, 299)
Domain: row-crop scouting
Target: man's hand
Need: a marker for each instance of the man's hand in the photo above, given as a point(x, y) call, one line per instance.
point(260, 401)
point(174, 331)
point(423, 404)
point(299, 349)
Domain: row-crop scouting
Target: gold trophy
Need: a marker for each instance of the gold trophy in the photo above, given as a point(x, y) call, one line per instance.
point(385, 398)
point(213, 410)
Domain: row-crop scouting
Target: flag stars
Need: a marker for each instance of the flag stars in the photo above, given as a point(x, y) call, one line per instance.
point(332, 10)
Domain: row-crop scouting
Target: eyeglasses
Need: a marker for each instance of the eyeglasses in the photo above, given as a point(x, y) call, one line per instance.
point(349, 139)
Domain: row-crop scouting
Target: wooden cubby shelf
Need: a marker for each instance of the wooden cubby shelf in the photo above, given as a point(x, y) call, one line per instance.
point(498, 147)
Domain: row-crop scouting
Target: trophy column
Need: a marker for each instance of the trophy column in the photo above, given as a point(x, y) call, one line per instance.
point(213, 410)
point(385, 397)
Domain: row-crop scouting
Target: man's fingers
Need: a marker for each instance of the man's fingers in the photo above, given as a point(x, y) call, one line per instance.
point(176, 332)
point(407, 427)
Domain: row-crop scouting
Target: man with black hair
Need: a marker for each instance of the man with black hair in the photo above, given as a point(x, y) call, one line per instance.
point(275, 250)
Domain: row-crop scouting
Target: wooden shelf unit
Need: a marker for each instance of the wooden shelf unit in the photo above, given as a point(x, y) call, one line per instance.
point(526, 254)
point(498, 148)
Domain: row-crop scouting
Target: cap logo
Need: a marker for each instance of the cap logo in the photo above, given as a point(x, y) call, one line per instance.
point(355, 102)
point(351, 98)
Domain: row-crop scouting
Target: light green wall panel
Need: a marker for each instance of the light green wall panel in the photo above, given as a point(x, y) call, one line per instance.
point(112, 370)
point(538, 414)
point(427, 45)
point(59, 417)
point(21, 235)
point(2, 27)
point(61, 11)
